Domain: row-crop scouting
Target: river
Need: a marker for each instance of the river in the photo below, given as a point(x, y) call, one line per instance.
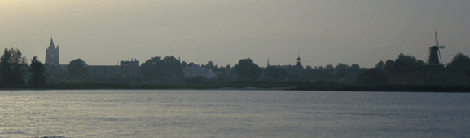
point(231, 113)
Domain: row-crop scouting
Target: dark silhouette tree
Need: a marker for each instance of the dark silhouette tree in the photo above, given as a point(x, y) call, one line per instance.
point(37, 69)
point(210, 65)
point(12, 67)
point(308, 67)
point(162, 68)
point(407, 63)
point(389, 65)
point(372, 77)
point(459, 68)
point(76, 68)
point(459, 62)
point(341, 66)
point(275, 73)
point(354, 66)
point(380, 65)
point(246, 69)
point(197, 79)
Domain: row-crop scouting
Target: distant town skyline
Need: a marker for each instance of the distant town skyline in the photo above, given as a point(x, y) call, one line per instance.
point(323, 31)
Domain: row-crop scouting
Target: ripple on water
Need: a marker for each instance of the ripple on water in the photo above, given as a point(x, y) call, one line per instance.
point(219, 113)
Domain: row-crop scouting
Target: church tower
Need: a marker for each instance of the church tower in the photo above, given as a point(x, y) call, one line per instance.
point(52, 53)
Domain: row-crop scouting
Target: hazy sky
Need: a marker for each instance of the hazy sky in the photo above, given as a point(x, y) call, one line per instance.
point(103, 32)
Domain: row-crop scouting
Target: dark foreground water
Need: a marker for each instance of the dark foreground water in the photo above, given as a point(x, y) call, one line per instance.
point(214, 113)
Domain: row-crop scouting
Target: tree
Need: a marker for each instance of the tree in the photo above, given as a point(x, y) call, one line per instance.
point(406, 63)
point(210, 65)
point(354, 66)
point(275, 73)
point(308, 67)
point(389, 64)
point(37, 69)
point(459, 68)
point(247, 69)
point(380, 65)
point(158, 68)
point(459, 62)
point(76, 68)
point(12, 67)
point(372, 77)
point(341, 66)
point(197, 79)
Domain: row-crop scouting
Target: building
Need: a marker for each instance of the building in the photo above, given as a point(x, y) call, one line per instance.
point(52, 54)
point(132, 62)
point(127, 69)
point(105, 71)
point(194, 70)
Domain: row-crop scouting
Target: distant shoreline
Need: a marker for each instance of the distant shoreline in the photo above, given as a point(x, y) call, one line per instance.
point(463, 88)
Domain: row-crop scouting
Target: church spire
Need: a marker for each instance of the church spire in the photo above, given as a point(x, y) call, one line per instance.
point(52, 53)
point(51, 43)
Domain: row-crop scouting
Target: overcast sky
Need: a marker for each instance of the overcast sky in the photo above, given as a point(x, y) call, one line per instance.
point(103, 32)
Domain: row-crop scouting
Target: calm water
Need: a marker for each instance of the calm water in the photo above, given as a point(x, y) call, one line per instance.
point(214, 113)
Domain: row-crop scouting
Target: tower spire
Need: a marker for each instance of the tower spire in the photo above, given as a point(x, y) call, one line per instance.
point(268, 62)
point(52, 43)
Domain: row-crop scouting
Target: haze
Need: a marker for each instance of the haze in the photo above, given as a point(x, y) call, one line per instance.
point(323, 32)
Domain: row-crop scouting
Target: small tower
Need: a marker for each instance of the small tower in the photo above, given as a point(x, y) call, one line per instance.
point(299, 64)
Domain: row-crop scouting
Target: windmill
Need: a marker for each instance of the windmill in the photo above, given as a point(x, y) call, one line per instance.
point(435, 54)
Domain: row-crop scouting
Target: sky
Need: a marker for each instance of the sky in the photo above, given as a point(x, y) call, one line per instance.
point(103, 32)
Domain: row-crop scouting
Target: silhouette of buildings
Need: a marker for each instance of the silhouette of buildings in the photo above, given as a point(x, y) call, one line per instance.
point(127, 69)
point(195, 70)
point(132, 62)
point(132, 70)
point(52, 54)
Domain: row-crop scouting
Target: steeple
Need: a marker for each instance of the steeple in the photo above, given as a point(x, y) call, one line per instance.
point(52, 43)
point(52, 53)
point(268, 62)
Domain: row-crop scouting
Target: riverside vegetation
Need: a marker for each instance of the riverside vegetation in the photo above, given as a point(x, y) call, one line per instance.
point(403, 74)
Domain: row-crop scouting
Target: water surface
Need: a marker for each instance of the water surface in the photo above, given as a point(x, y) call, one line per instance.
point(215, 113)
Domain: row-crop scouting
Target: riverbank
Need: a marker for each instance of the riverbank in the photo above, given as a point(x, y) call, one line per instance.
point(298, 86)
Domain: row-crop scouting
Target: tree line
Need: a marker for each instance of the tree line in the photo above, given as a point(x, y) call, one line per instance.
point(406, 69)
point(14, 69)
